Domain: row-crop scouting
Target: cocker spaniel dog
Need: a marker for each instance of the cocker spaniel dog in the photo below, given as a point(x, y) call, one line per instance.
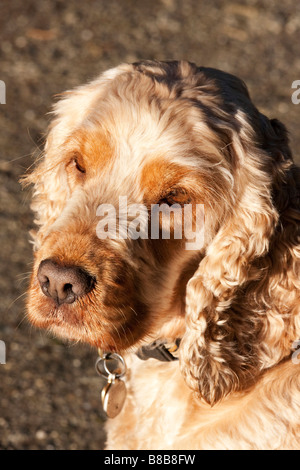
point(174, 134)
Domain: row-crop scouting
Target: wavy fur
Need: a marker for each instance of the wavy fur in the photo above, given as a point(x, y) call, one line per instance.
point(142, 130)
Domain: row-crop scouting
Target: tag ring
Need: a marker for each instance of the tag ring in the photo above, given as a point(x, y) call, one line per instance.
point(102, 367)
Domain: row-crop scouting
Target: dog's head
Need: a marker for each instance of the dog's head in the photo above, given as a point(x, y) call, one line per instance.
point(144, 135)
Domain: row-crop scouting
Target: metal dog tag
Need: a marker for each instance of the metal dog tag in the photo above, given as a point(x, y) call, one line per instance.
point(113, 396)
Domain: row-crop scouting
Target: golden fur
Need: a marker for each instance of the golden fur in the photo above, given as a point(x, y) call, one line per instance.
point(175, 132)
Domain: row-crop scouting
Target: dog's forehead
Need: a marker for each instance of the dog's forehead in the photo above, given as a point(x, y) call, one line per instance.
point(128, 128)
point(125, 136)
point(132, 164)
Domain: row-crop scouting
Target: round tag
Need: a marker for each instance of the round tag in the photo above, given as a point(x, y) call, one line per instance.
point(113, 396)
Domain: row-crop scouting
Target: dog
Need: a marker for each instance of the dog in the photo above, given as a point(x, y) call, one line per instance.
point(207, 333)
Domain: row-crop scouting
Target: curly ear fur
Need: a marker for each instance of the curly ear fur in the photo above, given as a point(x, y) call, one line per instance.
point(233, 300)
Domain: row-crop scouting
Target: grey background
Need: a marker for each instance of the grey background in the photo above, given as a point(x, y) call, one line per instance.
point(49, 392)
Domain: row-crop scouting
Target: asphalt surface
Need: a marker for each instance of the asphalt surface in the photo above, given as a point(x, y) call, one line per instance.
point(49, 391)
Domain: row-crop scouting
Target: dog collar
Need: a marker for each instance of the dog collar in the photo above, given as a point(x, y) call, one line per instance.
point(112, 367)
point(160, 350)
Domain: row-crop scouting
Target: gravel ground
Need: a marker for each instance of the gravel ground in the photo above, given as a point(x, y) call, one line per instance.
point(49, 392)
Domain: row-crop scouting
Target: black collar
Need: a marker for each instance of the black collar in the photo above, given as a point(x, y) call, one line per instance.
point(160, 349)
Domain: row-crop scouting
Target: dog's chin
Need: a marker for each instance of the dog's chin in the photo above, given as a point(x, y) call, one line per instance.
point(111, 329)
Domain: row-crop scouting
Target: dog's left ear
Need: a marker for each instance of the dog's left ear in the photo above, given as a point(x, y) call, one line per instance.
point(218, 350)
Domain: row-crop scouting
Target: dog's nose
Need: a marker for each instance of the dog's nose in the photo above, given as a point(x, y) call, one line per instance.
point(63, 283)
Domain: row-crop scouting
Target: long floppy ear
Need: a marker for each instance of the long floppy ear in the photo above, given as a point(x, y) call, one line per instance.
point(218, 353)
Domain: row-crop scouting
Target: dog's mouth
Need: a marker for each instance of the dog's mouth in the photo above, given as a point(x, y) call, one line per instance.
point(113, 329)
point(75, 305)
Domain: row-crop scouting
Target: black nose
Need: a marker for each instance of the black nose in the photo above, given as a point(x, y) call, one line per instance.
point(63, 283)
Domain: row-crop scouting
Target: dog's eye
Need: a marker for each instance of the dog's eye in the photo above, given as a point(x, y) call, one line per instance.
point(75, 164)
point(75, 169)
point(78, 166)
point(175, 196)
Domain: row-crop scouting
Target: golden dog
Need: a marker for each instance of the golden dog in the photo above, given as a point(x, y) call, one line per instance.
point(175, 133)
